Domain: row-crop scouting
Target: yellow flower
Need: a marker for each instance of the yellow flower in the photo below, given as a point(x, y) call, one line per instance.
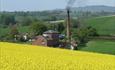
point(28, 57)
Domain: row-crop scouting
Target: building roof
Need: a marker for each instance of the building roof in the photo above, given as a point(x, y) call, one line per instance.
point(50, 31)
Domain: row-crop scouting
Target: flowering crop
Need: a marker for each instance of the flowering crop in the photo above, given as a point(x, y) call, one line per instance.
point(27, 57)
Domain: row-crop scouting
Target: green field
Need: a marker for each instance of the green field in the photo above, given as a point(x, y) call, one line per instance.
point(100, 46)
point(104, 25)
point(4, 31)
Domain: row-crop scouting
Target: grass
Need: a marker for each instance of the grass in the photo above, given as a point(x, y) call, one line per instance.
point(22, 29)
point(100, 46)
point(27, 57)
point(4, 31)
point(104, 25)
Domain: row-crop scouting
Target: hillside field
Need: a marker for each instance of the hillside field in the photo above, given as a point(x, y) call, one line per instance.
point(100, 46)
point(27, 57)
point(104, 25)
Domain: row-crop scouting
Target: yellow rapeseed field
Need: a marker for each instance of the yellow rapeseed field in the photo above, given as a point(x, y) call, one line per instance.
point(27, 57)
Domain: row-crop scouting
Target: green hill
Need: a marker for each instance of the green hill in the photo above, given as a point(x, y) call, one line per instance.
point(100, 46)
point(104, 25)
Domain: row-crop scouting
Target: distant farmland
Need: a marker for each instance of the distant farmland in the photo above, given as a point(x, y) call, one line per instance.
point(104, 25)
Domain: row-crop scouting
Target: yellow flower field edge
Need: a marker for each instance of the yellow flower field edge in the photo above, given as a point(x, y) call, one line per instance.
point(27, 57)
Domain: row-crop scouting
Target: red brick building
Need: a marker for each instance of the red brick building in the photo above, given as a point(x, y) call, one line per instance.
point(49, 38)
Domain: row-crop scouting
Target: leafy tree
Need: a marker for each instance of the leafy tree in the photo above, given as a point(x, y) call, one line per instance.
point(51, 26)
point(27, 21)
point(60, 27)
point(84, 33)
point(38, 28)
point(13, 34)
point(56, 26)
point(92, 31)
point(53, 18)
point(7, 19)
point(76, 23)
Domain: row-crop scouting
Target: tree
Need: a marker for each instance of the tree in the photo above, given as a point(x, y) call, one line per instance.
point(53, 18)
point(38, 28)
point(75, 23)
point(84, 33)
point(7, 19)
point(60, 27)
point(27, 21)
point(52, 26)
point(13, 33)
point(92, 31)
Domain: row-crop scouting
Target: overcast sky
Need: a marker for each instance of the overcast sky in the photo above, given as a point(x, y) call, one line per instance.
point(37, 5)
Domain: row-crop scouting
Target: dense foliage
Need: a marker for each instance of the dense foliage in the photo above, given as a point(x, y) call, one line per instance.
point(38, 28)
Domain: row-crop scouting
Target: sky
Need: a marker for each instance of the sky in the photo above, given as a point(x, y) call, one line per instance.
point(39, 5)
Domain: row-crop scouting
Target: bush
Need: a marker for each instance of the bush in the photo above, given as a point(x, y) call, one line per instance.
point(38, 28)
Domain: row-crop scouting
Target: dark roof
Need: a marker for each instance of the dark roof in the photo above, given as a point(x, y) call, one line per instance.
point(51, 31)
